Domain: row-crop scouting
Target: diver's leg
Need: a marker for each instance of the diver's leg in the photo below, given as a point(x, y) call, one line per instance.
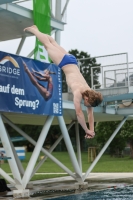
point(32, 30)
point(57, 45)
point(54, 53)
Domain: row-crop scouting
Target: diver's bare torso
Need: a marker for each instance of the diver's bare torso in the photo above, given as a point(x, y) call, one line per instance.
point(74, 78)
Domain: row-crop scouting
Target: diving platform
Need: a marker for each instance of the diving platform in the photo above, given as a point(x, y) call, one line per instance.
point(115, 82)
point(14, 18)
point(5, 1)
point(103, 113)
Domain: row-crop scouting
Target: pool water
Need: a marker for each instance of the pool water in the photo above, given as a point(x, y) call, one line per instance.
point(124, 193)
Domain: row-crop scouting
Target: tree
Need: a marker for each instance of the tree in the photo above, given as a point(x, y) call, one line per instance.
point(85, 68)
point(105, 129)
point(127, 134)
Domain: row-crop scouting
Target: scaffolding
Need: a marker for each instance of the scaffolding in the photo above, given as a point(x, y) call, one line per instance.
point(12, 14)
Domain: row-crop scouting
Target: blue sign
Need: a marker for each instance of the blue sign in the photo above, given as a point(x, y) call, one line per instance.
point(29, 86)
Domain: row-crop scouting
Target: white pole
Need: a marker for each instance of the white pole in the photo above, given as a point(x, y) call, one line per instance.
point(128, 83)
point(69, 146)
point(64, 9)
point(92, 83)
point(58, 16)
point(7, 177)
point(36, 151)
point(20, 45)
point(19, 164)
point(102, 77)
point(9, 153)
point(30, 54)
point(78, 145)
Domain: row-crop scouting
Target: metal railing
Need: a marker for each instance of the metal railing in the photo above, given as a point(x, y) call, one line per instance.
point(114, 75)
point(109, 69)
point(114, 78)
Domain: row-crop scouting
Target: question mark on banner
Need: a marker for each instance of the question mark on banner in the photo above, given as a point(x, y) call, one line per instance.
point(37, 103)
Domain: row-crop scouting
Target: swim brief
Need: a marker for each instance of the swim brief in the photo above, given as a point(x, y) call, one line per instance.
point(68, 59)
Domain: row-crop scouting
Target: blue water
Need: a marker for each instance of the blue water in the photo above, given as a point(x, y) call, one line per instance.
point(125, 193)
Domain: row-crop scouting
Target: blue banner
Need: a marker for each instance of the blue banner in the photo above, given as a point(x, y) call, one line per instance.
point(29, 86)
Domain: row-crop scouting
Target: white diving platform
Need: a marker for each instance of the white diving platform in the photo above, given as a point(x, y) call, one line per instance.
point(13, 19)
point(101, 113)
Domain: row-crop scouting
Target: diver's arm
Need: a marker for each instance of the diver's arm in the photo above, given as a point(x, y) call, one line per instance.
point(90, 118)
point(80, 116)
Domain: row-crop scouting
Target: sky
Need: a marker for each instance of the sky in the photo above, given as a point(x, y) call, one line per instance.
point(98, 27)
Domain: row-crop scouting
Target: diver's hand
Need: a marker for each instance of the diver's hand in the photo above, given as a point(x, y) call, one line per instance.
point(89, 134)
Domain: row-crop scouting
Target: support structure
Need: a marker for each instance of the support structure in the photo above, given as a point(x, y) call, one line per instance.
point(43, 150)
point(19, 164)
point(9, 153)
point(22, 177)
point(20, 45)
point(70, 148)
point(104, 148)
point(36, 152)
point(78, 144)
point(51, 150)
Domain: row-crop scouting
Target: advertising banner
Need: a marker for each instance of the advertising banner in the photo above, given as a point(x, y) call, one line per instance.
point(29, 86)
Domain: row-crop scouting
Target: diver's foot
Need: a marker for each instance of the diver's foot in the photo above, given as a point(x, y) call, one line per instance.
point(31, 29)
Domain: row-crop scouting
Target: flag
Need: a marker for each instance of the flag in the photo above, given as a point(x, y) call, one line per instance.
point(42, 17)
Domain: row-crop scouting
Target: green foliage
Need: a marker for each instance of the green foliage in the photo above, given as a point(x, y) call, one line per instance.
point(127, 130)
point(105, 129)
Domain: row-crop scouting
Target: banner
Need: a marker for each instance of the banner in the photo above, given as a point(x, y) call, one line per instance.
point(42, 18)
point(29, 86)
